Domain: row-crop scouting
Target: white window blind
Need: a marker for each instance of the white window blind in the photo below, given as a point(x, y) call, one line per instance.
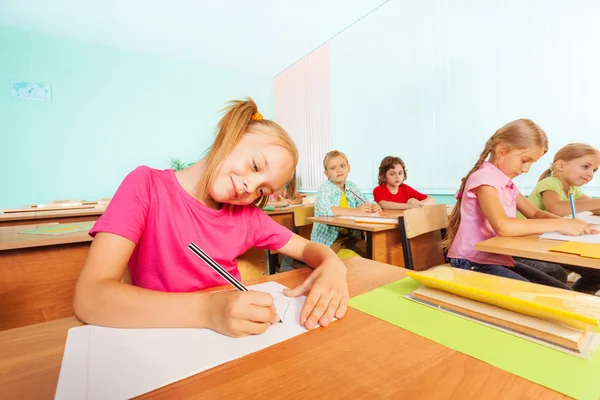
point(302, 107)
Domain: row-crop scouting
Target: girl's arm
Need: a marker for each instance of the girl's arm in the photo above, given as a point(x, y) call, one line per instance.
point(297, 199)
point(556, 206)
point(326, 286)
point(102, 299)
point(279, 203)
point(428, 201)
point(489, 201)
point(530, 211)
point(392, 205)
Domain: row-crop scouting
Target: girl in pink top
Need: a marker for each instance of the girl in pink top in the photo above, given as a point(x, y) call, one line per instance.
point(487, 206)
point(154, 215)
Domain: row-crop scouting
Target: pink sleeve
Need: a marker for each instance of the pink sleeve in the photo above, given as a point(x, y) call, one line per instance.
point(126, 213)
point(268, 234)
point(480, 178)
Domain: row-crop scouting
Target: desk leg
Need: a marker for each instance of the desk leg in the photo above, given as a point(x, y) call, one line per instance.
point(370, 245)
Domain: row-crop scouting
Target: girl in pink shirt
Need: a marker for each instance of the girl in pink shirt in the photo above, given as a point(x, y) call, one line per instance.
point(487, 204)
point(215, 203)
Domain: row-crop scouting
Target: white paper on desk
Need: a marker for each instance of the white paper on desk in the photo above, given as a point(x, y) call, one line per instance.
point(595, 239)
point(110, 363)
point(589, 218)
point(586, 216)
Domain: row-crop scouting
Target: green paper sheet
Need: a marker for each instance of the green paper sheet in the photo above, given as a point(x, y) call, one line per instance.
point(575, 377)
point(60, 229)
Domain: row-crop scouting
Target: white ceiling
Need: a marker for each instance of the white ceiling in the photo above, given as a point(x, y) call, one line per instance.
point(258, 36)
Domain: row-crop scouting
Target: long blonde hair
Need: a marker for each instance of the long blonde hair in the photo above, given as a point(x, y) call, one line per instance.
point(570, 152)
point(239, 120)
point(519, 134)
point(292, 188)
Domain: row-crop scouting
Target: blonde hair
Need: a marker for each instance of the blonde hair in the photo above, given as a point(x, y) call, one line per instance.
point(388, 163)
point(570, 152)
point(236, 122)
point(519, 134)
point(333, 154)
point(291, 188)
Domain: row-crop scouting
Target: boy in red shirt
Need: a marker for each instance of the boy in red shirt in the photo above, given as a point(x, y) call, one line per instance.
point(392, 193)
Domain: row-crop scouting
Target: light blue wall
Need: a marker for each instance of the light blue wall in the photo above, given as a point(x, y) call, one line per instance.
point(111, 111)
point(431, 81)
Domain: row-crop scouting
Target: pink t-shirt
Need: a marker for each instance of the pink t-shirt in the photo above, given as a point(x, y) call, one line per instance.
point(152, 209)
point(474, 226)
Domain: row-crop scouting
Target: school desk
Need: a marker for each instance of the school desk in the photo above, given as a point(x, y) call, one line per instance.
point(358, 356)
point(38, 274)
point(384, 242)
point(534, 248)
point(285, 216)
point(45, 216)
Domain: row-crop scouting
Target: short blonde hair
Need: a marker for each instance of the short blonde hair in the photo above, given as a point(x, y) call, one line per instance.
point(333, 154)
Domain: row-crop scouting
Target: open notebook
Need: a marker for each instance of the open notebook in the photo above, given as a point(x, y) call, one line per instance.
point(110, 363)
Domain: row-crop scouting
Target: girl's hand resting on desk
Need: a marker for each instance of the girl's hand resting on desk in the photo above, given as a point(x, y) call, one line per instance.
point(327, 294)
point(238, 314)
point(365, 207)
point(414, 203)
point(375, 208)
point(576, 227)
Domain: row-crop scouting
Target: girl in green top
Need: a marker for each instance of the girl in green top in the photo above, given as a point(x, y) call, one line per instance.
point(574, 165)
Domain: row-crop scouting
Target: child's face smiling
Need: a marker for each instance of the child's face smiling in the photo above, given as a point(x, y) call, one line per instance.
point(337, 170)
point(254, 168)
point(395, 176)
point(579, 171)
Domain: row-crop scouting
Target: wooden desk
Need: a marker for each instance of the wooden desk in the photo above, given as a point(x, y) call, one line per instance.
point(253, 263)
point(384, 245)
point(534, 248)
point(285, 217)
point(11, 238)
point(38, 274)
point(66, 215)
point(358, 356)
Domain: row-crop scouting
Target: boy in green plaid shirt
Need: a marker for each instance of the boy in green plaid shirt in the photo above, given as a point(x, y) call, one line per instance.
point(337, 197)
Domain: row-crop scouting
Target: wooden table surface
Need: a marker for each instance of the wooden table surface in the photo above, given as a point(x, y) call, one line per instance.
point(11, 237)
point(66, 215)
point(357, 357)
point(534, 248)
point(351, 224)
point(285, 210)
